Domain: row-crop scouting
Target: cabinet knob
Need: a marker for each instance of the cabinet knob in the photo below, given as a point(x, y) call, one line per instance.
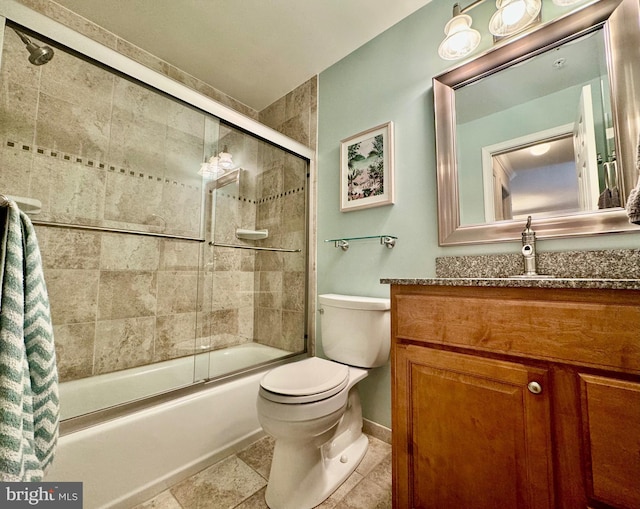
point(534, 387)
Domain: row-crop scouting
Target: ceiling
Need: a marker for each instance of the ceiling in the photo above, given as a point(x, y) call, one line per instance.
point(255, 51)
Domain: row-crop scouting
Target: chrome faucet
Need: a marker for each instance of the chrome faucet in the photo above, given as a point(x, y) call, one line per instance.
point(529, 249)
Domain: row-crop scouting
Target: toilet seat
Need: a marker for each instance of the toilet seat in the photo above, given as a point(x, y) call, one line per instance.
point(306, 381)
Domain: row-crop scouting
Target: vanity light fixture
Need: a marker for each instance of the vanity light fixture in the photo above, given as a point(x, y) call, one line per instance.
point(460, 38)
point(211, 169)
point(216, 166)
point(511, 17)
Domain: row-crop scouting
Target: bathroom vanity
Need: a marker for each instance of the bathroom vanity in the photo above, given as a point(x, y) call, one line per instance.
point(515, 393)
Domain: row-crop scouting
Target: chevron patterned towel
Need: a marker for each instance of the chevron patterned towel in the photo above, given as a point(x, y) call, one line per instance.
point(29, 404)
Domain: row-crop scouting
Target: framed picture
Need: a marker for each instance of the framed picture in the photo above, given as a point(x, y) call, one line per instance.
point(366, 169)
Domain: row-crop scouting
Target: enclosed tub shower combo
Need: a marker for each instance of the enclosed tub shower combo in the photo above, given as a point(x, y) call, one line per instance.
point(173, 234)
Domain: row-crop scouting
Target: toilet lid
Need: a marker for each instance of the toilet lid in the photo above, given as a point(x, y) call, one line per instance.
point(309, 376)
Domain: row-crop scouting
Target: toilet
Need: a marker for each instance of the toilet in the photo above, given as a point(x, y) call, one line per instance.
point(312, 407)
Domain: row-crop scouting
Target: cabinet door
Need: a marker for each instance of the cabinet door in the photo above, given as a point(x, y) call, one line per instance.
point(611, 427)
point(468, 433)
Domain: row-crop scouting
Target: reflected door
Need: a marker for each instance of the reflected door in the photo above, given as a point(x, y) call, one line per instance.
point(584, 145)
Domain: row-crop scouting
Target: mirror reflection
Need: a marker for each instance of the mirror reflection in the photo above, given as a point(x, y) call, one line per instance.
point(532, 180)
point(538, 137)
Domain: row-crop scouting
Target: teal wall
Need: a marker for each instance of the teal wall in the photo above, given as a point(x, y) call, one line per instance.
point(389, 78)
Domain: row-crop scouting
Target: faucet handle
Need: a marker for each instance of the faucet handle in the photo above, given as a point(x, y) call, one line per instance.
point(528, 235)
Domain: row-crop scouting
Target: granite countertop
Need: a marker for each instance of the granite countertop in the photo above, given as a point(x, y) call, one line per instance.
point(515, 282)
point(604, 269)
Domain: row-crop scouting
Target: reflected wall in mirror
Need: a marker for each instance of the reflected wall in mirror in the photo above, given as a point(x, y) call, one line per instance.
point(531, 177)
point(557, 88)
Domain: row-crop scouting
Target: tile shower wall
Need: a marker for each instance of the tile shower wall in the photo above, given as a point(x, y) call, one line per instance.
point(280, 278)
point(295, 114)
point(232, 269)
point(87, 144)
point(222, 318)
point(270, 287)
point(98, 150)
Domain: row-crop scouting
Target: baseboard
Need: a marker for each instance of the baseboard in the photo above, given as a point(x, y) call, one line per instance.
point(376, 430)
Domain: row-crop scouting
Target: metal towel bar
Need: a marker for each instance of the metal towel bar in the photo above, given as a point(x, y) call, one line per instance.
point(255, 248)
point(114, 230)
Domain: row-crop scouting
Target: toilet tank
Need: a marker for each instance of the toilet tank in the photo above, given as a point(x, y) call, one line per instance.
point(355, 330)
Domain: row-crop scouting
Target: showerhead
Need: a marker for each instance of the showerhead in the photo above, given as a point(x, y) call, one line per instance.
point(38, 55)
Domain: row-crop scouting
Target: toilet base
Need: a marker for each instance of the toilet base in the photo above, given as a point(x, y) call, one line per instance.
point(312, 458)
point(322, 481)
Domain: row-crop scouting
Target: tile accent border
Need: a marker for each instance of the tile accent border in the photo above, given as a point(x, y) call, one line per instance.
point(90, 163)
point(261, 200)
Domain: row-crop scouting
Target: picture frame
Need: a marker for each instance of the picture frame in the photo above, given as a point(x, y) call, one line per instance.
point(366, 169)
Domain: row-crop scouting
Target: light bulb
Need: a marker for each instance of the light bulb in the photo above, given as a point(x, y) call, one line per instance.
point(513, 12)
point(540, 149)
point(513, 16)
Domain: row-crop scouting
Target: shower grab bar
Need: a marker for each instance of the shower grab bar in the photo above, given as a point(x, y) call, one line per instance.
point(38, 222)
point(255, 248)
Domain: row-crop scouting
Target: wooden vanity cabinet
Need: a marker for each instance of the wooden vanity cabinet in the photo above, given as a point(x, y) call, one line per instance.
point(515, 398)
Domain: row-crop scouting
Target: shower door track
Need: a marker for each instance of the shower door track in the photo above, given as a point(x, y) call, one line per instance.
point(256, 248)
point(114, 230)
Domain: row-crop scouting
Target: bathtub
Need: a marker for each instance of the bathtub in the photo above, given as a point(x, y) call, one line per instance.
point(125, 461)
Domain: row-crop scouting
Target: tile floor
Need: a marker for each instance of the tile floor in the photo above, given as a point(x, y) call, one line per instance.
point(239, 482)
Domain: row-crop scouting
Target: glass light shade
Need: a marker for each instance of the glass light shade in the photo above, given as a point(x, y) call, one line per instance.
point(461, 39)
point(513, 16)
point(211, 170)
